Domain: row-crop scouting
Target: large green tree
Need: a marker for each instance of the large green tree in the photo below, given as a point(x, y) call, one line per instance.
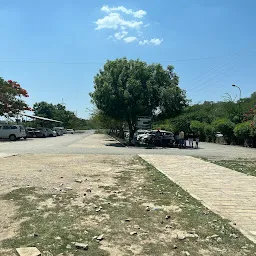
point(11, 102)
point(126, 89)
point(60, 113)
point(44, 109)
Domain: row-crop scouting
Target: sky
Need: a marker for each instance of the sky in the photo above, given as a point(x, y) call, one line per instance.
point(55, 48)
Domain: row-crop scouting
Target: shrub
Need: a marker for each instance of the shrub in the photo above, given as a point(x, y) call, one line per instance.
point(226, 127)
point(209, 132)
point(198, 128)
point(243, 130)
point(181, 123)
point(164, 125)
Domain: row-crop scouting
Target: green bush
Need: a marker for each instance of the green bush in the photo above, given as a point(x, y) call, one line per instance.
point(164, 125)
point(243, 130)
point(209, 132)
point(226, 127)
point(181, 123)
point(198, 128)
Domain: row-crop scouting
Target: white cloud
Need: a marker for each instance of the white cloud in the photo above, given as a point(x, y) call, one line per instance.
point(114, 21)
point(143, 42)
point(120, 35)
point(154, 41)
point(130, 39)
point(136, 14)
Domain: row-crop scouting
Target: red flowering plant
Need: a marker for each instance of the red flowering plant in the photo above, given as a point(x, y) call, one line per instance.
point(250, 116)
point(11, 94)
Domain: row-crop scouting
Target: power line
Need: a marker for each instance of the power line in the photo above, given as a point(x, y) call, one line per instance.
point(98, 62)
point(224, 72)
point(215, 68)
point(234, 68)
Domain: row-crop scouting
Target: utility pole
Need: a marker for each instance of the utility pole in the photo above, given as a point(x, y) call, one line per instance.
point(240, 96)
point(62, 102)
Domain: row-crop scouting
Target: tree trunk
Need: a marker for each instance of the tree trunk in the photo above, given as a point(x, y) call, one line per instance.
point(131, 130)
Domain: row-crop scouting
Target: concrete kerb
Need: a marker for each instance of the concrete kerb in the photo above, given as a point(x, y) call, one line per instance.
point(245, 233)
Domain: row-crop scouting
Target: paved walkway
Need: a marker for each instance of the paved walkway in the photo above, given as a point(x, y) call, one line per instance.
point(226, 192)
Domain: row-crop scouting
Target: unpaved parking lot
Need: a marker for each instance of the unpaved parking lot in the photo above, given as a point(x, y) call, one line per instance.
point(52, 201)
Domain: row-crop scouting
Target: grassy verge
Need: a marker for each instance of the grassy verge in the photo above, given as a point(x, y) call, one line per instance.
point(101, 131)
point(246, 166)
point(144, 213)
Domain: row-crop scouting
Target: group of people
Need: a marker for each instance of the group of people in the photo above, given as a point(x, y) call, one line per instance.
point(181, 139)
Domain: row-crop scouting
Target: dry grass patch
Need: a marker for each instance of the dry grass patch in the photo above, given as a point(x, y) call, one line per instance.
point(139, 211)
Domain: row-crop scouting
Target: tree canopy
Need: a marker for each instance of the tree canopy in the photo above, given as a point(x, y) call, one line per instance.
point(125, 89)
point(11, 94)
point(235, 120)
point(60, 113)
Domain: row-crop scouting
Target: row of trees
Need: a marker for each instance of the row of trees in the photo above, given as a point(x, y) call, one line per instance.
point(60, 113)
point(235, 120)
point(125, 89)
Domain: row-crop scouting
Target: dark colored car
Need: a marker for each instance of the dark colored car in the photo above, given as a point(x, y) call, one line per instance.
point(31, 132)
point(34, 133)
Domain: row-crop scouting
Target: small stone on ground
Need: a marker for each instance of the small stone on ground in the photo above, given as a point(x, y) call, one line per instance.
point(28, 251)
point(101, 237)
point(81, 246)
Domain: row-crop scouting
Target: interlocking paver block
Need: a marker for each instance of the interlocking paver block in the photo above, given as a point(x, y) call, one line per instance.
point(229, 193)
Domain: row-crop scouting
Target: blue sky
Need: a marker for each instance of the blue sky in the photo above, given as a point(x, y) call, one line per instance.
point(54, 48)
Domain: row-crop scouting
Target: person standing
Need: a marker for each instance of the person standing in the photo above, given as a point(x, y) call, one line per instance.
point(190, 139)
point(177, 139)
point(181, 137)
point(197, 140)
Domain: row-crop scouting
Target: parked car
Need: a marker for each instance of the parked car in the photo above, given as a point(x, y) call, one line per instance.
point(161, 138)
point(39, 134)
point(139, 134)
point(31, 132)
point(70, 131)
point(148, 137)
point(50, 132)
point(12, 132)
point(59, 131)
point(43, 132)
point(167, 138)
point(143, 135)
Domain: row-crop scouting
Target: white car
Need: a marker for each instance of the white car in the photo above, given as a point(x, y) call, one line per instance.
point(70, 131)
point(12, 132)
point(140, 133)
point(155, 136)
point(143, 135)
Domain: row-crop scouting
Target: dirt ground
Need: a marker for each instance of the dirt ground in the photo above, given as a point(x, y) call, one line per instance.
point(52, 201)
